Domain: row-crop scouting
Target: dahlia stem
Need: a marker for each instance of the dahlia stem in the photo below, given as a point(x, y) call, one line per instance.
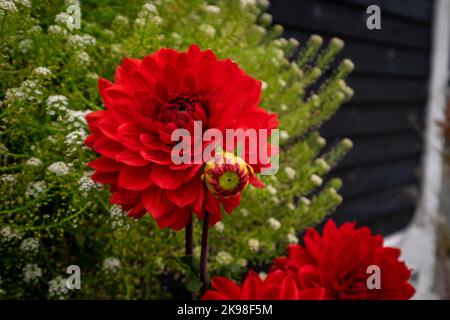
point(189, 240)
point(189, 247)
point(204, 254)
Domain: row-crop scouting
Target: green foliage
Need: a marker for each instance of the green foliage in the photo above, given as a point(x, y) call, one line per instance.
point(45, 190)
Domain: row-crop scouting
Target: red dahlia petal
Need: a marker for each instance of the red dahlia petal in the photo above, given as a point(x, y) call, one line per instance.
point(135, 178)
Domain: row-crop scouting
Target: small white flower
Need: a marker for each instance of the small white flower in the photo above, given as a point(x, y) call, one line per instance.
point(83, 58)
point(253, 244)
point(121, 20)
point(209, 30)
point(7, 6)
point(248, 3)
point(57, 288)
point(284, 135)
point(55, 29)
point(284, 107)
point(291, 238)
point(212, 9)
point(323, 164)
point(82, 41)
point(282, 83)
point(75, 138)
point(316, 180)
point(290, 173)
point(291, 206)
point(29, 245)
point(36, 29)
point(31, 272)
point(56, 104)
point(305, 201)
point(25, 45)
point(9, 234)
point(274, 223)
point(8, 178)
point(275, 200)
point(149, 7)
point(59, 168)
point(116, 211)
point(111, 264)
point(42, 71)
point(224, 258)
point(262, 275)
point(86, 184)
point(33, 162)
point(244, 212)
point(321, 141)
point(242, 262)
point(34, 189)
point(92, 76)
point(264, 85)
point(219, 226)
point(271, 190)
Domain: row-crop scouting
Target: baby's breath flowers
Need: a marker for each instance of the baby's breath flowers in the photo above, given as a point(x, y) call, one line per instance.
point(57, 288)
point(30, 245)
point(31, 272)
point(59, 168)
point(111, 264)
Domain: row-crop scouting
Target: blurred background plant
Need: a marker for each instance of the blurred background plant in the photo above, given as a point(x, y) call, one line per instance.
point(53, 215)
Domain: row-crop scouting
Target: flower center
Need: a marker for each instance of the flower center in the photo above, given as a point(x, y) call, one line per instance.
point(182, 111)
point(229, 180)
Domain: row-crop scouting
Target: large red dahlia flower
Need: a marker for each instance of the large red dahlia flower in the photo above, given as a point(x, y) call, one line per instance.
point(339, 261)
point(152, 97)
point(276, 286)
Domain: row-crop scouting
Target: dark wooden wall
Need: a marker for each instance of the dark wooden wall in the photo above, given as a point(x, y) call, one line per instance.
point(385, 118)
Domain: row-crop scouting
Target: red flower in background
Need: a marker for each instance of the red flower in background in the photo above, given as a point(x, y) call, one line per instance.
point(338, 262)
point(149, 99)
point(276, 286)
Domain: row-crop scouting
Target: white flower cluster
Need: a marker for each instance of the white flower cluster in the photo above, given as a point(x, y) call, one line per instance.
point(121, 20)
point(57, 288)
point(36, 188)
point(7, 6)
point(274, 223)
point(290, 173)
point(148, 14)
point(83, 58)
point(291, 237)
point(25, 45)
point(271, 190)
point(42, 72)
point(212, 9)
point(253, 244)
point(86, 184)
point(57, 30)
point(59, 168)
point(56, 104)
point(29, 91)
point(8, 178)
point(219, 226)
point(74, 118)
point(73, 140)
point(111, 264)
point(81, 41)
point(30, 245)
point(8, 234)
point(208, 30)
point(224, 258)
point(31, 272)
point(33, 162)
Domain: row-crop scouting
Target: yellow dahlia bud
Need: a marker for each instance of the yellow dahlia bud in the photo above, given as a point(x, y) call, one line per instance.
point(226, 175)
